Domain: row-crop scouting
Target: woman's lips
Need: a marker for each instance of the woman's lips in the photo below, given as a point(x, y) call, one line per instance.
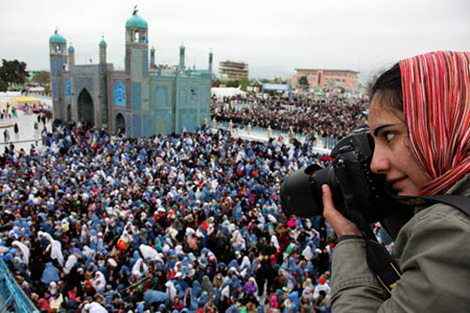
point(396, 182)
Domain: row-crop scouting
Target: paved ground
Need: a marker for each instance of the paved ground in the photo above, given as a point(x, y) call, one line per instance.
point(27, 135)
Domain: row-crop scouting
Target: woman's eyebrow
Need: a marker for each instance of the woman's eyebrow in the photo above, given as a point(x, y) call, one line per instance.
point(378, 129)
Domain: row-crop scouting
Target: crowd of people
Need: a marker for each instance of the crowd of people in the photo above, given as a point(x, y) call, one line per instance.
point(177, 223)
point(326, 118)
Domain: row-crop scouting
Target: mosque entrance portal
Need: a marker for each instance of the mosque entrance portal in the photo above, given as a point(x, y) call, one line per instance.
point(120, 124)
point(85, 108)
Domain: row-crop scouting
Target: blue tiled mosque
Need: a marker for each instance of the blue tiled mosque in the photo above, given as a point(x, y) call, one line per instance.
point(141, 100)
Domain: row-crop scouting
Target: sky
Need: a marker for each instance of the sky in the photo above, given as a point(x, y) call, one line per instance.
point(274, 37)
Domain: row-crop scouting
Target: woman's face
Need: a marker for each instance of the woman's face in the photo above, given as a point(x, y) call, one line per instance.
point(392, 155)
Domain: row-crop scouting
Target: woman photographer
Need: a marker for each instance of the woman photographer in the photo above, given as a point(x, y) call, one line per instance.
point(420, 121)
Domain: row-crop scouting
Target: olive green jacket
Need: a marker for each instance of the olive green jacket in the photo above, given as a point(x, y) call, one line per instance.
point(433, 251)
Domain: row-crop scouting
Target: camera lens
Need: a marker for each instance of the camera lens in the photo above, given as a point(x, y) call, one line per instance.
point(301, 191)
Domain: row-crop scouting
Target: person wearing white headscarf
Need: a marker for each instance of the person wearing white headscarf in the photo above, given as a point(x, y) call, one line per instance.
point(52, 288)
point(94, 307)
point(24, 250)
point(245, 267)
point(70, 263)
point(130, 228)
point(139, 268)
point(237, 240)
point(275, 241)
point(189, 232)
point(84, 234)
point(57, 297)
point(54, 246)
point(171, 290)
point(179, 250)
point(226, 291)
point(126, 237)
point(251, 286)
point(272, 219)
point(99, 282)
point(308, 252)
point(245, 263)
point(150, 253)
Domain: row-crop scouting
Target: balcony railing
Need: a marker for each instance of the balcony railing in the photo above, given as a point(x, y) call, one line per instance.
point(12, 297)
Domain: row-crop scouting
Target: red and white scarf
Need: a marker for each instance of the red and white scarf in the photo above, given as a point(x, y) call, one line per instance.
point(436, 103)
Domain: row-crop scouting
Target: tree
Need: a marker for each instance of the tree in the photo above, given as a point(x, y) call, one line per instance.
point(47, 90)
point(303, 82)
point(234, 83)
point(216, 83)
point(244, 83)
point(3, 86)
point(279, 80)
point(13, 72)
point(42, 78)
point(258, 84)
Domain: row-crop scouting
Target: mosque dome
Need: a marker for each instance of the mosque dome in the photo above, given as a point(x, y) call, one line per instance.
point(102, 43)
point(137, 22)
point(71, 49)
point(56, 38)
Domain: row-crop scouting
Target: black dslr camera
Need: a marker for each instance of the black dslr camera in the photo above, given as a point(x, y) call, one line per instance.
point(353, 185)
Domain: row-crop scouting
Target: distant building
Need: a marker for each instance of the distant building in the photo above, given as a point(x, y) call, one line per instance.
point(141, 100)
point(230, 70)
point(327, 79)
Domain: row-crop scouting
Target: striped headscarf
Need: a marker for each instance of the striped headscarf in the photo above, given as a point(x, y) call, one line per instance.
point(436, 104)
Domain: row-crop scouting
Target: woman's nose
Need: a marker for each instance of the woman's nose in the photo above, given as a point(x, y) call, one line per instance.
point(380, 163)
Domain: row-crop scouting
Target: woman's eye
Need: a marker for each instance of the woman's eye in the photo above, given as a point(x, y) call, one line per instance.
point(389, 136)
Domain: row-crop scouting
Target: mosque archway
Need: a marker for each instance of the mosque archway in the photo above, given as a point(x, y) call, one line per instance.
point(86, 112)
point(120, 124)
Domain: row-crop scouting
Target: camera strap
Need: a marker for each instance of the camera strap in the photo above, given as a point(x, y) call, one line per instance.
point(382, 265)
point(460, 202)
point(379, 260)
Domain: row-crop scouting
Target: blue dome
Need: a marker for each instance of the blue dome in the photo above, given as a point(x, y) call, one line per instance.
point(56, 38)
point(136, 21)
point(102, 44)
point(71, 49)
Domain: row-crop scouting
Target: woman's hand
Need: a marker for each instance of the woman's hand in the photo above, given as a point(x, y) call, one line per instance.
point(341, 225)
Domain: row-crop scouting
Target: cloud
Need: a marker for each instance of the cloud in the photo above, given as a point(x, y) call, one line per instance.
point(274, 37)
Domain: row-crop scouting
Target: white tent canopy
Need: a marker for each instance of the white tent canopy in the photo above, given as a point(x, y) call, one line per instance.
point(220, 92)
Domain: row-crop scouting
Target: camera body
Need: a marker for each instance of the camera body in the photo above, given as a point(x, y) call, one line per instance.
point(354, 186)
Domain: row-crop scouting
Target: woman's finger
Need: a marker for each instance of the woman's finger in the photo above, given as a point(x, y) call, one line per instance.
point(341, 225)
point(329, 210)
